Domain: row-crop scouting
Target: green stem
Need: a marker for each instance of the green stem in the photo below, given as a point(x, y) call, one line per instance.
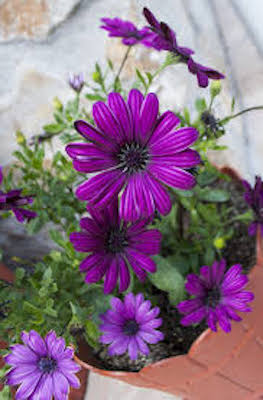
point(126, 55)
point(226, 119)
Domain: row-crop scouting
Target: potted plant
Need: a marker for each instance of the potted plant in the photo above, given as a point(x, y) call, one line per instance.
point(158, 233)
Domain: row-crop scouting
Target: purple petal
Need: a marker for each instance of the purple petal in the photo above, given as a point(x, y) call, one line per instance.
point(96, 273)
point(174, 142)
point(111, 276)
point(148, 116)
point(165, 124)
point(106, 121)
point(160, 195)
point(135, 100)
point(124, 275)
point(149, 326)
point(91, 261)
point(151, 338)
point(91, 133)
point(44, 389)
point(173, 176)
point(147, 242)
point(185, 159)
point(28, 386)
point(223, 319)
point(119, 346)
point(122, 114)
point(188, 306)
point(84, 242)
point(142, 346)
point(194, 317)
point(60, 386)
point(129, 302)
point(1, 174)
point(142, 311)
point(35, 342)
point(133, 348)
point(212, 320)
point(144, 261)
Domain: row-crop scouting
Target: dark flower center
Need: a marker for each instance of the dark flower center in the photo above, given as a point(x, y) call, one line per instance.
point(116, 241)
point(47, 364)
point(130, 328)
point(213, 297)
point(133, 157)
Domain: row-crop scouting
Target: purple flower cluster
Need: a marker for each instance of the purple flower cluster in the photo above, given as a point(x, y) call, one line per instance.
point(113, 246)
point(135, 153)
point(160, 37)
point(254, 198)
point(218, 294)
point(76, 82)
point(130, 325)
point(14, 201)
point(42, 367)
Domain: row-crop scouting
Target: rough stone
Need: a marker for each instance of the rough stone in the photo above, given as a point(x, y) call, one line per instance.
point(32, 19)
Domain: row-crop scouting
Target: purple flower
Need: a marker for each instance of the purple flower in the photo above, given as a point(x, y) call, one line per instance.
point(129, 325)
point(218, 295)
point(14, 201)
point(42, 367)
point(254, 198)
point(203, 73)
point(125, 29)
point(135, 152)
point(114, 246)
point(163, 37)
point(76, 82)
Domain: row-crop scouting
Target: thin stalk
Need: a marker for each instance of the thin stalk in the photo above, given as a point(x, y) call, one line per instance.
point(126, 55)
point(226, 119)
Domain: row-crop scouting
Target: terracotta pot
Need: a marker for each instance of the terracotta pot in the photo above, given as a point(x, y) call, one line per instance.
point(75, 394)
point(218, 365)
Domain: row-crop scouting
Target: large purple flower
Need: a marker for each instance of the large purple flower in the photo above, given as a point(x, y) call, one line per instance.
point(14, 201)
point(203, 73)
point(129, 325)
point(135, 153)
point(42, 367)
point(218, 295)
point(125, 29)
point(114, 246)
point(254, 198)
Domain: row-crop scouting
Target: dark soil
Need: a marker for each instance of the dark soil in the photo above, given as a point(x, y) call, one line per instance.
point(178, 339)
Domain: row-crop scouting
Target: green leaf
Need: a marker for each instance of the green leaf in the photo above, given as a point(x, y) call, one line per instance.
point(92, 333)
point(168, 278)
point(213, 195)
point(54, 128)
point(141, 78)
point(200, 105)
point(187, 116)
point(233, 104)
point(95, 97)
point(207, 177)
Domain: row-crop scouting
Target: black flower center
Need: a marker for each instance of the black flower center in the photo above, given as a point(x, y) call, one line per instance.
point(133, 157)
point(116, 241)
point(130, 328)
point(47, 364)
point(213, 297)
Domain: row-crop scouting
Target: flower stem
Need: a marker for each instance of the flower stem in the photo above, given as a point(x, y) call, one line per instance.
point(229, 117)
point(126, 55)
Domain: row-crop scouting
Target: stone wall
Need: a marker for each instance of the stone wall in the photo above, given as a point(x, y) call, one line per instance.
point(41, 41)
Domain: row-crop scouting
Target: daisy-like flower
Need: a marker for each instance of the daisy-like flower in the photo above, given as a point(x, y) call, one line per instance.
point(203, 73)
point(113, 246)
point(254, 198)
point(135, 153)
point(218, 294)
point(14, 201)
point(130, 325)
point(164, 38)
point(42, 367)
point(76, 82)
point(125, 29)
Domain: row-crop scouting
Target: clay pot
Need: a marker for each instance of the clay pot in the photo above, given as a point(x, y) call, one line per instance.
point(218, 365)
point(75, 394)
